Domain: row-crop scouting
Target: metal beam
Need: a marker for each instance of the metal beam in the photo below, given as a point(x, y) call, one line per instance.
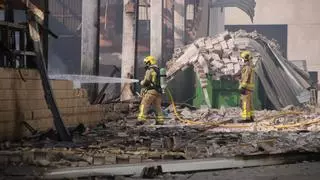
point(128, 49)
point(156, 34)
point(216, 20)
point(179, 23)
point(90, 43)
point(177, 166)
point(34, 31)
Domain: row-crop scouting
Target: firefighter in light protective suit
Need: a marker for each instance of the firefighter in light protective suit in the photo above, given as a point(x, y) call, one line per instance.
point(151, 91)
point(246, 87)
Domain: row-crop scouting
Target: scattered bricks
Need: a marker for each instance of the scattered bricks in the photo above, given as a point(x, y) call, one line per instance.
point(220, 38)
point(135, 159)
point(42, 163)
point(39, 155)
point(112, 116)
point(208, 43)
point(201, 42)
point(28, 157)
point(230, 67)
point(4, 160)
point(122, 159)
point(41, 124)
point(214, 41)
point(83, 164)
point(231, 44)
point(217, 64)
point(98, 160)
point(110, 159)
point(121, 107)
point(215, 57)
point(224, 45)
point(88, 159)
point(226, 60)
point(236, 68)
point(217, 47)
point(234, 59)
point(15, 158)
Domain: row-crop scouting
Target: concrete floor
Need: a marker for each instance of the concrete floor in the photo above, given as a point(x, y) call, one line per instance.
point(302, 171)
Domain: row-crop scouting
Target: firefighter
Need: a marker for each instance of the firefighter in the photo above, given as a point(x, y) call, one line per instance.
point(246, 87)
point(151, 91)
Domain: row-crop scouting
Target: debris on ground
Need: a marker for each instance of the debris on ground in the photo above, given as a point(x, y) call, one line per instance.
point(206, 133)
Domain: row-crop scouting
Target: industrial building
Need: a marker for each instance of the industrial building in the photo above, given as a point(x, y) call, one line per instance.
point(74, 84)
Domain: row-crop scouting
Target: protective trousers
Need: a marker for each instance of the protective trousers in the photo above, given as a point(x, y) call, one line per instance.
point(151, 97)
point(247, 105)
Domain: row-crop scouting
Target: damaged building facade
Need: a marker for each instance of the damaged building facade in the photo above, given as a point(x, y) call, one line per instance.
point(58, 128)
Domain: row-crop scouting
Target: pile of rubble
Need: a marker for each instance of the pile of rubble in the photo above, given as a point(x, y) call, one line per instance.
point(219, 56)
point(118, 141)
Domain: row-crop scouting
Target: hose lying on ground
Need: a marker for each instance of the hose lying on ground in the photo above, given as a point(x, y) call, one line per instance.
point(222, 124)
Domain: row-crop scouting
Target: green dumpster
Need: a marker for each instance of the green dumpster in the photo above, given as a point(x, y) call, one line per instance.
point(225, 93)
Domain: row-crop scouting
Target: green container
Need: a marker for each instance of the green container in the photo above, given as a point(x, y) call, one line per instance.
point(225, 93)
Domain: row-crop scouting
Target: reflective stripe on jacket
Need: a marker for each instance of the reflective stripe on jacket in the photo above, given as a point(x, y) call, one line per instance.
point(247, 78)
point(152, 79)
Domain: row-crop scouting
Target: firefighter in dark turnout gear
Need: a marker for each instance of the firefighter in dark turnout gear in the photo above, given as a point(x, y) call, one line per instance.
point(246, 87)
point(151, 91)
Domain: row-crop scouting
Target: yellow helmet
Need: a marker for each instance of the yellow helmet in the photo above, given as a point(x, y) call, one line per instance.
point(246, 55)
point(150, 60)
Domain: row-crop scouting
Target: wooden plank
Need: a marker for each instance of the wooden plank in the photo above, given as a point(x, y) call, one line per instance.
point(35, 10)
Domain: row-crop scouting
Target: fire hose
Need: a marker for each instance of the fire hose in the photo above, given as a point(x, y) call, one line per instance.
point(221, 124)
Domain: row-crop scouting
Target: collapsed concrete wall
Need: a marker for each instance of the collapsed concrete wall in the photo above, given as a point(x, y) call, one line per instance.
point(24, 101)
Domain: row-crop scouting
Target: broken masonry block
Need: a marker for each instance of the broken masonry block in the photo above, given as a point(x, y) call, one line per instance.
point(201, 42)
point(208, 43)
point(214, 41)
point(226, 60)
point(230, 43)
point(230, 67)
point(217, 64)
point(224, 45)
point(234, 59)
point(215, 57)
point(218, 47)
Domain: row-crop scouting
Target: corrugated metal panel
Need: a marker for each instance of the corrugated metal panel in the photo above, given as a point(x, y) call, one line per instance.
point(302, 64)
point(68, 13)
point(247, 6)
point(65, 20)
